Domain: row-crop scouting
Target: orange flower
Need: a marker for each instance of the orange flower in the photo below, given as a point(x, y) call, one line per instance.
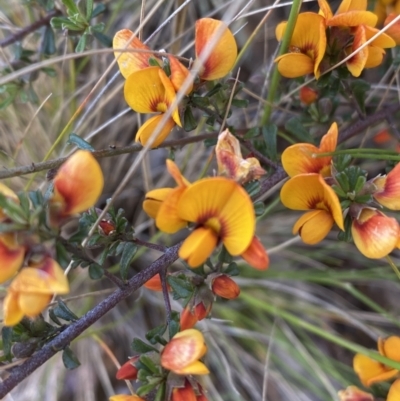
point(353, 393)
point(311, 192)
point(256, 255)
point(32, 289)
point(300, 158)
point(375, 234)
point(225, 287)
point(224, 52)
point(394, 391)
point(128, 371)
point(231, 163)
point(370, 371)
point(394, 30)
point(308, 95)
point(77, 186)
point(307, 46)
point(154, 283)
point(388, 189)
point(222, 211)
point(188, 318)
point(11, 256)
point(185, 393)
point(181, 355)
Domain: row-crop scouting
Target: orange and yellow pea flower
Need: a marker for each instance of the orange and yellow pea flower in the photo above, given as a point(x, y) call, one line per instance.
point(300, 157)
point(31, 291)
point(11, 256)
point(307, 46)
point(77, 186)
point(181, 355)
point(231, 163)
point(223, 54)
point(388, 189)
point(383, 8)
point(394, 391)
point(375, 234)
point(370, 371)
point(311, 192)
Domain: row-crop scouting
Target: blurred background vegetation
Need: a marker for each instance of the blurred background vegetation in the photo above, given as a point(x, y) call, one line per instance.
point(274, 342)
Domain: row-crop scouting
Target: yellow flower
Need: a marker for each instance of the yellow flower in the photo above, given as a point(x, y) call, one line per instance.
point(311, 192)
point(388, 189)
point(77, 186)
point(11, 256)
point(222, 211)
point(299, 158)
point(224, 53)
point(161, 204)
point(32, 289)
point(394, 391)
point(370, 371)
point(231, 163)
point(385, 7)
point(125, 397)
point(307, 46)
point(181, 355)
point(151, 91)
point(375, 234)
point(394, 30)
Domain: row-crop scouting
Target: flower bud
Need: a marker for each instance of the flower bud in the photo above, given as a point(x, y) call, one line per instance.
point(353, 393)
point(225, 287)
point(106, 227)
point(308, 95)
point(128, 371)
point(188, 318)
point(185, 393)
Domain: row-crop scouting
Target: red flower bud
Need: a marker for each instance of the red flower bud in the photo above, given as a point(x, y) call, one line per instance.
point(188, 318)
point(225, 287)
point(308, 95)
point(184, 393)
point(128, 371)
point(106, 227)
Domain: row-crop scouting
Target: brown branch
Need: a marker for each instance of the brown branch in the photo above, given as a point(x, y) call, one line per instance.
point(99, 154)
point(15, 37)
point(22, 371)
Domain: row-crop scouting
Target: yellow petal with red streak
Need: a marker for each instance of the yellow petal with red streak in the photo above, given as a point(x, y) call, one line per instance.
point(11, 256)
point(179, 73)
point(388, 189)
point(374, 234)
point(256, 255)
point(131, 61)
point(357, 63)
point(394, 30)
point(224, 53)
point(78, 183)
point(154, 199)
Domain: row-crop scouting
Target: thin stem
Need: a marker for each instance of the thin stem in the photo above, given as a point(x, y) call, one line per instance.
point(164, 286)
point(282, 50)
point(263, 159)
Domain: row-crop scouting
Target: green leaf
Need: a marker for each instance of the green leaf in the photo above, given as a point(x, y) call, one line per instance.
point(65, 23)
point(158, 331)
point(69, 359)
point(252, 132)
point(79, 142)
point(127, 256)
point(48, 45)
point(181, 287)
point(6, 334)
point(71, 6)
point(149, 363)
point(174, 327)
point(359, 89)
point(224, 256)
point(24, 203)
point(160, 395)
point(145, 389)
point(140, 347)
point(89, 9)
point(200, 101)
point(270, 132)
point(210, 142)
point(104, 39)
point(97, 27)
point(296, 128)
point(259, 208)
point(62, 256)
point(232, 269)
point(53, 317)
point(12, 210)
point(95, 271)
point(252, 188)
point(80, 47)
point(189, 122)
point(62, 311)
point(241, 103)
point(100, 8)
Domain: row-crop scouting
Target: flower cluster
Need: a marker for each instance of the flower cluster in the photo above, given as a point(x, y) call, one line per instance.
point(311, 188)
point(36, 276)
point(152, 81)
point(321, 40)
point(370, 371)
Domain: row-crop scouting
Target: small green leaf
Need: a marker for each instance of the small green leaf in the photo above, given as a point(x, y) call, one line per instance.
point(95, 271)
point(100, 8)
point(360, 88)
point(241, 103)
point(80, 142)
point(181, 287)
point(189, 122)
point(145, 389)
point(270, 132)
point(127, 256)
point(232, 269)
point(160, 395)
point(140, 347)
point(156, 332)
point(200, 101)
point(62, 311)
point(71, 6)
point(173, 328)
point(97, 27)
point(252, 188)
point(89, 9)
point(48, 45)
point(80, 47)
point(54, 318)
point(252, 132)
point(210, 142)
point(104, 39)
point(149, 363)
point(295, 127)
point(69, 359)
point(259, 208)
